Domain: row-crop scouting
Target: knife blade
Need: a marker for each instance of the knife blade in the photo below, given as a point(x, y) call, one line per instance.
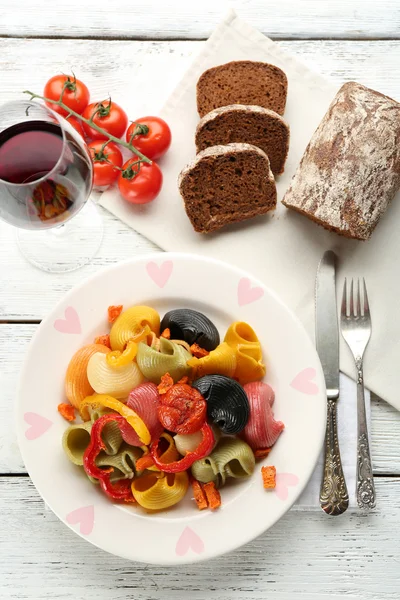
point(326, 323)
point(333, 497)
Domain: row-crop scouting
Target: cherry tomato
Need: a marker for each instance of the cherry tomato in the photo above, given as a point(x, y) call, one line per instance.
point(76, 95)
point(155, 142)
point(105, 158)
point(182, 409)
point(140, 187)
point(77, 125)
point(107, 115)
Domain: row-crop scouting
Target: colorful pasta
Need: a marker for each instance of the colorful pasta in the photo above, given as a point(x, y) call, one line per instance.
point(243, 339)
point(262, 430)
point(134, 324)
point(232, 457)
point(117, 382)
point(77, 385)
point(155, 408)
point(220, 361)
point(171, 359)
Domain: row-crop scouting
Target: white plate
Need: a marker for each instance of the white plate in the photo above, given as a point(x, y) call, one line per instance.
point(182, 534)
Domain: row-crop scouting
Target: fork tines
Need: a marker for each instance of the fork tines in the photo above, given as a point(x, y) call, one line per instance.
point(355, 306)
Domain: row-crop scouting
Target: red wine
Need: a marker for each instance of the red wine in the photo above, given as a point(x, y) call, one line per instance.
point(45, 178)
point(29, 151)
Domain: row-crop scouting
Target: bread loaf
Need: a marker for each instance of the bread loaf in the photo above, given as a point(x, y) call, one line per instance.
point(242, 82)
point(227, 184)
point(255, 125)
point(350, 170)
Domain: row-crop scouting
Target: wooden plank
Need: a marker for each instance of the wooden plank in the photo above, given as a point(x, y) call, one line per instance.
point(14, 340)
point(178, 19)
point(311, 557)
point(152, 70)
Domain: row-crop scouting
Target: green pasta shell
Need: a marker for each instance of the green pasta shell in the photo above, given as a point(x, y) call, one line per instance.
point(171, 359)
point(75, 441)
point(232, 457)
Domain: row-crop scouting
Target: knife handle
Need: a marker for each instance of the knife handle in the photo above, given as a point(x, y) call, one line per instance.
point(333, 498)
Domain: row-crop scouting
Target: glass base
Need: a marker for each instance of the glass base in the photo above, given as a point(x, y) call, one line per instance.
point(67, 247)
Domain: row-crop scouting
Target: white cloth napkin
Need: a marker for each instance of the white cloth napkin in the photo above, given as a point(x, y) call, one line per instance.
point(282, 249)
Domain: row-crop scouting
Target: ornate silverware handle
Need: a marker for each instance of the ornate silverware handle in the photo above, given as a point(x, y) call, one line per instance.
point(334, 499)
point(366, 498)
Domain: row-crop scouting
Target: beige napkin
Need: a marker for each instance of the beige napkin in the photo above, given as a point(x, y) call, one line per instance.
point(282, 249)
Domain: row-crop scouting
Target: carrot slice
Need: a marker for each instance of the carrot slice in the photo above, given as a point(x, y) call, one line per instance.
point(262, 452)
point(166, 383)
point(199, 495)
point(114, 312)
point(166, 334)
point(269, 477)
point(198, 351)
point(67, 411)
point(184, 379)
point(212, 494)
point(104, 340)
point(144, 462)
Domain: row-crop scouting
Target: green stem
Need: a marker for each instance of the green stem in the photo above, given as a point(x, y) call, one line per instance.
point(111, 138)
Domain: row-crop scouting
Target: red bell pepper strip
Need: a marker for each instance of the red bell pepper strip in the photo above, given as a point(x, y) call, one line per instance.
point(203, 449)
point(118, 490)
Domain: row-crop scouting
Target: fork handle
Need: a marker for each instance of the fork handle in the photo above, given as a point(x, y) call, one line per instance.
point(366, 498)
point(333, 498)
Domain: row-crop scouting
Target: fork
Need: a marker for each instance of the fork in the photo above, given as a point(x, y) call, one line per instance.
point(355, 325)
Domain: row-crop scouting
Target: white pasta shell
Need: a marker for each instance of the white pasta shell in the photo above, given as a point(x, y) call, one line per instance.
point(116, 382)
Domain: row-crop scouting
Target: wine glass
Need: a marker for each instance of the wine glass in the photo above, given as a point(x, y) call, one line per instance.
point(46, 178)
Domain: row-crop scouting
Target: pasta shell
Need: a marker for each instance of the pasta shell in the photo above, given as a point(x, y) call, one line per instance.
point(77, 385)
point(243, 339)
point(227, 404)
point(75, 441)
point(123, 462)
point(222, 360)
point(155, 492)
point(116, 382)
point(188, 442)
point(262, 430)
point(144, 400)
point(135, 324)
point(171, 359)
point(232, 457)
point(191, 326)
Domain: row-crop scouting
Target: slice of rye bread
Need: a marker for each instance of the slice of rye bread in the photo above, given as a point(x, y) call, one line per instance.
point(242, 82)
point(249, 124)
point(227, 184)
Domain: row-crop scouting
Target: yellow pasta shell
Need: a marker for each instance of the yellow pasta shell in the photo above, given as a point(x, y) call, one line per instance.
point(133, 323)
point(156, 491)
point(77, 385)
point(220, 361)
point(244, 341)
point(117, 382)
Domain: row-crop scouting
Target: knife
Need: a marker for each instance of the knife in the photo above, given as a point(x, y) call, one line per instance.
point(333, 498)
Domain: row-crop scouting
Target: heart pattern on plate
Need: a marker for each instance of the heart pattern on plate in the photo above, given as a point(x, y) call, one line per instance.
point(38, 425)
point(303, 382)
point(83, 516)
point(160, 274)
point(71, 322)
point(189, 540)
point(247, 293)
point(283, 482)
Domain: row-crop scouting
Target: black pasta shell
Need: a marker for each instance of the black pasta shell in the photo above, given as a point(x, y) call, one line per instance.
point(227, 402)
point(191, 326)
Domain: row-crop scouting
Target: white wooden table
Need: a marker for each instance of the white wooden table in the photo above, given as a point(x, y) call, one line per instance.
point(305, 555)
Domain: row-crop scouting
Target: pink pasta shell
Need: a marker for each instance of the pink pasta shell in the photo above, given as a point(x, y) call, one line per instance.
point(261, 430)
point(144, 401)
